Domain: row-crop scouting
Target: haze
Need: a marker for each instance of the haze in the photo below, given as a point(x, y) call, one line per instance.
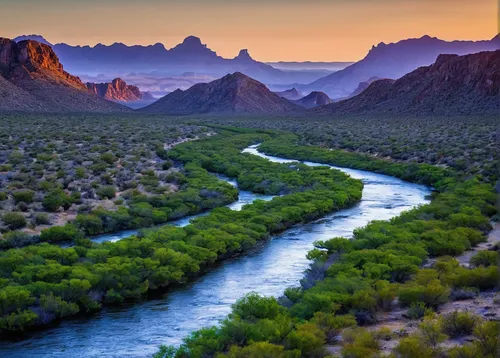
point(314, 30)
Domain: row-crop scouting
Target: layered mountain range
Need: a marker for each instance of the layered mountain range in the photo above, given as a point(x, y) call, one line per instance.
point(33, 79)
point(393, 61)
point(453, 85)
point(189, 56)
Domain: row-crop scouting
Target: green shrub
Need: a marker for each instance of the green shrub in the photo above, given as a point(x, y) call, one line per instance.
point(484, 258)
point(42, 219)
point(55, 199)
point(89, 224)
point(14, 220)
point(67, 232)
point(457, 324)
point(3, 196)
point(23, 195)
point(106, 192)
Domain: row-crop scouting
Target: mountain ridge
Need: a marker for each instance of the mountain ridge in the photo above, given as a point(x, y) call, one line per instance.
point(394, 60)
point(453, 85)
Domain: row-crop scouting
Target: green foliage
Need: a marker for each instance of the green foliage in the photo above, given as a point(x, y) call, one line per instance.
point(484, 258)
point(457, 324)
point(56, 199)
point(23, 195)
point(67, 232)
point(42, 219)
point(106, 192)
point(14, 220)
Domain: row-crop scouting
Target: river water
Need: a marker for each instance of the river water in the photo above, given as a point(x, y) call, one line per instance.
point(137, 330)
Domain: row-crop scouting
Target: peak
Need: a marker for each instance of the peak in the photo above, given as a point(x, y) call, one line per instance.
point(192, 40)
point(33, 37)
point(244, 56)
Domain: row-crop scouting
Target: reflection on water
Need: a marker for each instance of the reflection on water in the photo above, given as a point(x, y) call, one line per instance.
point(138, 330)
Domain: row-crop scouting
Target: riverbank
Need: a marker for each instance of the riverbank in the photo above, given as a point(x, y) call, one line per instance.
point(85, 277)
point(137, 330)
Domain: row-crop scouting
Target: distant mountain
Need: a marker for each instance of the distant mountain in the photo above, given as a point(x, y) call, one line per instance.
point(233, 94)
point(314, 99)
point(34, 79)
point(189, 56)
point(309, 65)
point(118, 90)
point(291, 94)
point(361, 87)
point(453, 85)
point(395, 60)
point(37, 38)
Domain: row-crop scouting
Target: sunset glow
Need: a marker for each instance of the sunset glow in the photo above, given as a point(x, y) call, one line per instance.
point(315, 30)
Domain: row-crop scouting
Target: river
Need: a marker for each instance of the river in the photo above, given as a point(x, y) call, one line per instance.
point(137, 330)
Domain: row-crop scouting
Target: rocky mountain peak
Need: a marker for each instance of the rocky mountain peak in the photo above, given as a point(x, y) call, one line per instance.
point(244, 56)
point(118, 90)
point(29, 58)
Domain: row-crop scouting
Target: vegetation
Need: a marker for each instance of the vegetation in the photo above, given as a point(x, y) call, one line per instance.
point(381, 263)
point(74, 164)
point(43, 283)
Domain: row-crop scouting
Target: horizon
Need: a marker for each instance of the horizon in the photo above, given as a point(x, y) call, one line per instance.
point(317, 30)
point(171, 46)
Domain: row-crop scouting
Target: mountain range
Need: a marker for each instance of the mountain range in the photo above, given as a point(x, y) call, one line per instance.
point(189, 56)
point(232, 94)
point(393, 61)
point(453, 85)
point(33, 79)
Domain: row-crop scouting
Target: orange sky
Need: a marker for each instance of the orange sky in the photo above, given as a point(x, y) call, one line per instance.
point(315, 30)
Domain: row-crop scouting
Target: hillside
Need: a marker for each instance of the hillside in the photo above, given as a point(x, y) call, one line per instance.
point(291, 94)
point(232, 94)
point(453, 85)
point(36, 80)
point(394, 61)
point(314, 99)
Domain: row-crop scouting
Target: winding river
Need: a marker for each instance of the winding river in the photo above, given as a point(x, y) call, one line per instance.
point(138, 329)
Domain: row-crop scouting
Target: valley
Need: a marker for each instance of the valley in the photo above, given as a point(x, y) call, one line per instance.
point(162, 199)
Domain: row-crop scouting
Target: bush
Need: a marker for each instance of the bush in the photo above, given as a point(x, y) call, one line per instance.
point(55, 199)
point(23, 195)
point(17, 239)
point(457, 324)
point(417, 310)
point(67, 232)
point(42, 219)
point(90, 224)
point(3, 196)
point(14, 220)
point(484, 258)
point(106, 192)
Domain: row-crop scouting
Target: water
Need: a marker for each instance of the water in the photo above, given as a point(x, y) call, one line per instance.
point(138, 330)
point(244, 198)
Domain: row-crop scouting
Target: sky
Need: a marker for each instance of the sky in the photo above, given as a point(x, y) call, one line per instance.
point(272, 30)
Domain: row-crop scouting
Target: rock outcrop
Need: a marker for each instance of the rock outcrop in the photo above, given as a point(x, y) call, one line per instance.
point(233, 94)
point(453, 85)
point(34, 69)
point(118, 90)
